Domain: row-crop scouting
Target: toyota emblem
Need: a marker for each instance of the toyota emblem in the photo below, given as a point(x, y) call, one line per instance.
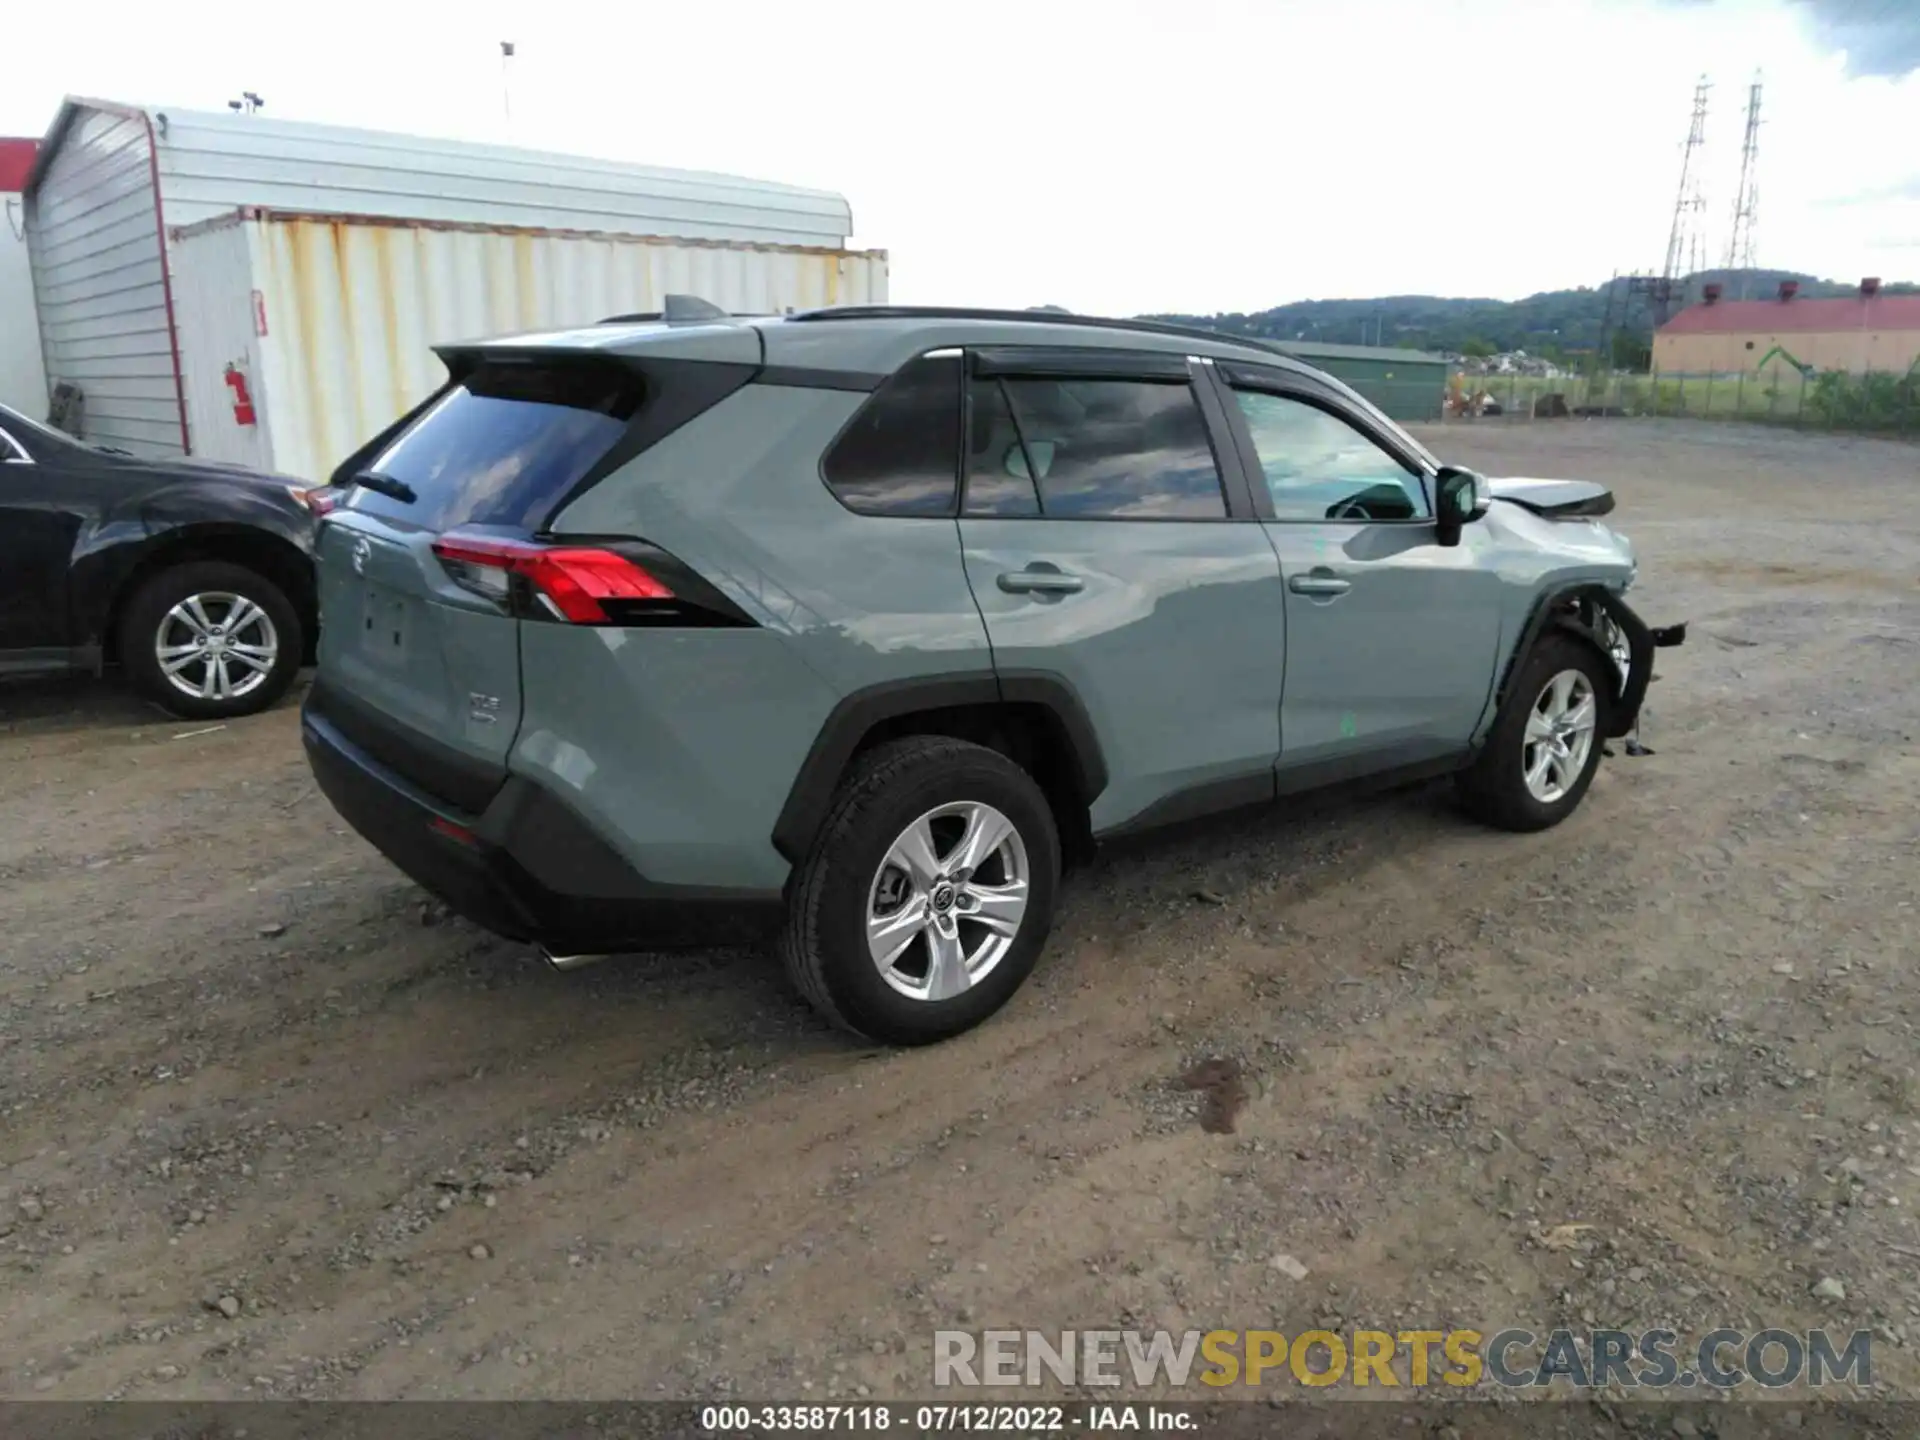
point(362, 552)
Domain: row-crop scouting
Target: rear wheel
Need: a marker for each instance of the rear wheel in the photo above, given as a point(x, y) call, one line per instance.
point(929, 894)
point(1543, 751)
point(210, 640)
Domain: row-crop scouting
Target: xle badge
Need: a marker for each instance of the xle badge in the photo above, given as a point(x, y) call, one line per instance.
point(482, 709)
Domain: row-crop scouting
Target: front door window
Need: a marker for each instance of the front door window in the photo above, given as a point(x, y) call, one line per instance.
point(1318, 467)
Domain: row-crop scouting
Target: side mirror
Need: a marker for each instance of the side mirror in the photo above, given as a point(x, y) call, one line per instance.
point(1460, 497)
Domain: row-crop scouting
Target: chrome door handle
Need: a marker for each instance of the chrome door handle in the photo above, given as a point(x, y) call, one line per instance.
point(1319, 585)
point(1053, 582)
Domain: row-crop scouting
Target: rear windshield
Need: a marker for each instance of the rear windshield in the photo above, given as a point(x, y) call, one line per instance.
point(505, 446)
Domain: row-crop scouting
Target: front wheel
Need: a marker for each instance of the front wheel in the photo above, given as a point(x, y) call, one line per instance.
point(209, 640)
point(929, 895)
point(1542, 752)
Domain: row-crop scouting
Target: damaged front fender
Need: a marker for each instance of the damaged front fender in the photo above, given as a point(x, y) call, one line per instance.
point(1600, 618)
point(1590, 615)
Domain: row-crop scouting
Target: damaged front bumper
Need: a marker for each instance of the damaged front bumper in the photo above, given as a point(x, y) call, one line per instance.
point(1594, 614)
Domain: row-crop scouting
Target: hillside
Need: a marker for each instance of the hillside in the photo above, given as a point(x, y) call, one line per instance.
point(1556, 322)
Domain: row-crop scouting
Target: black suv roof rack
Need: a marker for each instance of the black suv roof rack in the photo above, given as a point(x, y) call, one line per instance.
point(1049, 314)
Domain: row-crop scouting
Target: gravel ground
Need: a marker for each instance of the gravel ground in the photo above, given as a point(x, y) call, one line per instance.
point(275, 1126)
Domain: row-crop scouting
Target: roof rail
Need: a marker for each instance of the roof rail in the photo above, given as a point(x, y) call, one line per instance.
point(1047, 314)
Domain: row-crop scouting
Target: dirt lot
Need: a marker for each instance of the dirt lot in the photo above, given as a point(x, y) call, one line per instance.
point(243, 1065)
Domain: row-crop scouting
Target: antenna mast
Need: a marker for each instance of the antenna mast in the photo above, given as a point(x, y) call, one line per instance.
point(1685, 243)
point(1746, 206)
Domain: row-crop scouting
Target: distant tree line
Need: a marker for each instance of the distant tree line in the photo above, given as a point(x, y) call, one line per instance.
point(1561, 325)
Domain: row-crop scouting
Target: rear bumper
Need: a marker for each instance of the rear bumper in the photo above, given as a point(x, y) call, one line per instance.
point(527, 868)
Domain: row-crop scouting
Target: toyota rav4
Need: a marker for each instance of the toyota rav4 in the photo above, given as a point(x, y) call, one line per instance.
point(852, 627)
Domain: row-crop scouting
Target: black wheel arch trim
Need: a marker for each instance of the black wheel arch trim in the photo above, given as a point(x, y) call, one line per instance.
point(1054, 693)
point(103, 581)
point(1547, 611)
point(1544, 606)
point(856, 715)
point(1625, 714)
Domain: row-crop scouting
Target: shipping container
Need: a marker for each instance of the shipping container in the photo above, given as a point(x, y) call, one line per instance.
point(303, 335)
point(423, 240)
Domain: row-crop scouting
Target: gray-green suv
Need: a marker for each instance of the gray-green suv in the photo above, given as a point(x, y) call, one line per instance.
point(852, 626)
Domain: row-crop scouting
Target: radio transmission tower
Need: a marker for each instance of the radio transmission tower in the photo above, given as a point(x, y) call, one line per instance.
point(1664, 293)
point(1746, 206)
point(1686, 242)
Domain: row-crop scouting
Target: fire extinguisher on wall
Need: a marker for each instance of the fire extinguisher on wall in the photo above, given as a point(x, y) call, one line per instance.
point(242, 397)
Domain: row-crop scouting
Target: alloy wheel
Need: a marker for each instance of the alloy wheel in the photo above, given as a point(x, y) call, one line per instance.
point(1559, 736)
point(946, 904)
point(216, 646)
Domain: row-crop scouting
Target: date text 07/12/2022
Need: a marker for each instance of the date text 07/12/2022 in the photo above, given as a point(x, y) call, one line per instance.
point(930, 1419)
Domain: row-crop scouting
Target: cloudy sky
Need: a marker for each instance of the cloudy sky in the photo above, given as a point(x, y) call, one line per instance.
point(1119, 155)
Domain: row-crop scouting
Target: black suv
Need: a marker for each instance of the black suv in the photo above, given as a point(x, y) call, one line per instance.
point(194, 576)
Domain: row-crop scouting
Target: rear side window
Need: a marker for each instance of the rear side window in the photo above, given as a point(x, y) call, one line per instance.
point(505, 446)
point(1105, 450)
point(901, 453)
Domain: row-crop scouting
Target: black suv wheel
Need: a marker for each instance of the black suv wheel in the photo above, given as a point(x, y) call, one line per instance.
point(209, 640)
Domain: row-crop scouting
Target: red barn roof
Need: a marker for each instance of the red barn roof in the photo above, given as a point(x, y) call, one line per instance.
point(1797, 316)
point(16, 163)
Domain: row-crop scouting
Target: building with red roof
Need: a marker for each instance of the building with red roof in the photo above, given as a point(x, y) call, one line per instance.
point(16, 162)
point(1864, 331)
point(23, 378)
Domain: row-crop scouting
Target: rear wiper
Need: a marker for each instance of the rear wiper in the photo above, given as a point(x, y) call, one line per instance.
point(386, 485)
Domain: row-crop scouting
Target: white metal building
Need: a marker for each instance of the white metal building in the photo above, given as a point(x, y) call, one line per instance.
point(267, 291)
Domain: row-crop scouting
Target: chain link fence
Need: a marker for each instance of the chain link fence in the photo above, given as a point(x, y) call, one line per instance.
point(1875, 403)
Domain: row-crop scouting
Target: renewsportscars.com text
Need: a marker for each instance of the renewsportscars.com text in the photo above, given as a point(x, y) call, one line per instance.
point(1511, 1358)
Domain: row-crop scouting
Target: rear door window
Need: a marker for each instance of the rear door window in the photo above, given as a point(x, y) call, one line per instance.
point(1098, 450)
point(505, 447)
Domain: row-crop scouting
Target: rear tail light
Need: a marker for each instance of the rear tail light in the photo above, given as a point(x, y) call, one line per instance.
point(583, 585)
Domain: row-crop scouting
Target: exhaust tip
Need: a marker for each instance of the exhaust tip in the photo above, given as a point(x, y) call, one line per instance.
point(567, 962)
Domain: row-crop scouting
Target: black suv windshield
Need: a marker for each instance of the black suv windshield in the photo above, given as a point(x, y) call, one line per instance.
point(31, 434)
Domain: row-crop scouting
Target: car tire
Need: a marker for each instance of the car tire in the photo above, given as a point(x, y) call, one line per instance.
point(187, 606)
point(1536, 765)
point(924, 798)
